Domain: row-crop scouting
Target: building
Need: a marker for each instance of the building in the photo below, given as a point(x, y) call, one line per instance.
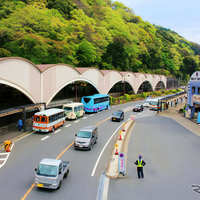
point(193, 97)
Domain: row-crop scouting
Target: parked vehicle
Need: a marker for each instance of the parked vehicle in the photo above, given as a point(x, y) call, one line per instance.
point(73, 110)
point(154, 104)
point(118, 116)
point(96, 102)
point(147, 103)
point(86, 138)
point(138, 108)
point(50, 173)
point(48, 120)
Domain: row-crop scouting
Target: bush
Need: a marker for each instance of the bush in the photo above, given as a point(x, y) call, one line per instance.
point(127, 97)
point(132, 96)
point(112, 99)
point(148, 94)
point(158, 93)
point(123, 101)
point(144, 95)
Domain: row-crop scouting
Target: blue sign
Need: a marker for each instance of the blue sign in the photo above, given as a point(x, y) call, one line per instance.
point(198, 118)
point(121, 163)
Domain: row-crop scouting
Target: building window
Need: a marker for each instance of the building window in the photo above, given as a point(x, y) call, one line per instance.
point(198, 90)
point(193, 89)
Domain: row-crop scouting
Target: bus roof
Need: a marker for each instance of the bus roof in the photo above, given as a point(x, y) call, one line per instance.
point(49, 112)
point(73, 104)
point(96, 96)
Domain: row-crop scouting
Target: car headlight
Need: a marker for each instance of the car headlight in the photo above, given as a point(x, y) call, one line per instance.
point(54, 182)
point(36, 180)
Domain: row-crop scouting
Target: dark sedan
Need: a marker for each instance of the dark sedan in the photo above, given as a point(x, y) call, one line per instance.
point(118, 116)
point(138, 108)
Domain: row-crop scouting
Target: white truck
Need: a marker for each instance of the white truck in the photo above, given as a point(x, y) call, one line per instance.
point(50, 173)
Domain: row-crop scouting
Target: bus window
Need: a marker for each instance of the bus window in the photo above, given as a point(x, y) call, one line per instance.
point(37, 119)
point(50, 119)
point(86, 100)
point(68, 109)
point(43, 119)
point(75, 109)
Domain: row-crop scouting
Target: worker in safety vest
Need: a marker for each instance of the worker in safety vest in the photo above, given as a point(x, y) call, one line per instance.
point(140, 163)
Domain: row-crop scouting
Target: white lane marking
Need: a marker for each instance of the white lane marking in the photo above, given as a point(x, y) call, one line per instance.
point(113, 106)
point(76, 121)
point(57, 131)
point(68, 125)
point(105, 189)
point(104, 149)
point(4, 153)
point(91, 114)
point(7, 156)
point(45, 138)
point(138, 113)
point(118, 105)
point(84, 117)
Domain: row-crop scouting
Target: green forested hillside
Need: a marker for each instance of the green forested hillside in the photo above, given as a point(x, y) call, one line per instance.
point(93, 33)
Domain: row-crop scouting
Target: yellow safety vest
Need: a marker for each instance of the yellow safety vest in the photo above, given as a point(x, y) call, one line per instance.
point(140, 163)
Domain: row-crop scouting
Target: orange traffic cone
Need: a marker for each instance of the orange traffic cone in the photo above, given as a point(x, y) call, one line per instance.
point(116, 153)
point(120, 138)
point(8, 148)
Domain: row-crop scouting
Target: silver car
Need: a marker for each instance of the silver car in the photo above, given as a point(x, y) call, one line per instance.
point(86, 138)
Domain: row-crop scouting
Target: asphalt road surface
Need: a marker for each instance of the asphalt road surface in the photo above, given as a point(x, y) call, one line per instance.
point(172, 162)
point(17, 175)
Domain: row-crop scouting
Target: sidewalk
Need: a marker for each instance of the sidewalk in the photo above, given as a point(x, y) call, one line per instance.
point(172, 113)
point(14, 135)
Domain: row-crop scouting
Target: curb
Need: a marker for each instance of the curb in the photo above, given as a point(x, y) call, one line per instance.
point(15, 139)
point(112, 167)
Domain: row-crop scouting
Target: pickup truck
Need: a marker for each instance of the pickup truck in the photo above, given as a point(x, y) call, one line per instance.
point(50, 173)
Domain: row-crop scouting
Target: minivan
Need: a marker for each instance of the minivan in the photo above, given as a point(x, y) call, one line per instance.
point(86, 138)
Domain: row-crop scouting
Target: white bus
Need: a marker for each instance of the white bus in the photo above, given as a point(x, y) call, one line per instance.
point(48, 120)
point(74, 110)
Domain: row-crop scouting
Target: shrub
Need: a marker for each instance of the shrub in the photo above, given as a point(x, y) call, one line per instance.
point(123, 101)
point(148, 94)
point(127, 97)
point(121, 98)
point(112, 99)
point(132, 96)
point(158, 93)
point(116, 102)
point(144, 95)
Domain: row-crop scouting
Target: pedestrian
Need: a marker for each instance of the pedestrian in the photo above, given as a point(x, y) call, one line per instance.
point(20, 124)
point(175, 103)
point(140, 163)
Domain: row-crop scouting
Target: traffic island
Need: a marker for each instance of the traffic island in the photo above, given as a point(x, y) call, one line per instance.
point(119, 150)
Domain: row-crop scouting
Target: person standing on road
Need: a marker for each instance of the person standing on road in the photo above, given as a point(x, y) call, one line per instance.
point(20, 124)
point(140, 163)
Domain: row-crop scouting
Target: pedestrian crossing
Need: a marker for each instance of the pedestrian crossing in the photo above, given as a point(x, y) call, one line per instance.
point(4, 156)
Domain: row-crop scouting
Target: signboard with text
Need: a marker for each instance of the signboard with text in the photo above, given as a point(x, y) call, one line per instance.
point(121, 163)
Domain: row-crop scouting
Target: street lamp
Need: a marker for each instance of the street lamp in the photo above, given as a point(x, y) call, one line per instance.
point(124, 82)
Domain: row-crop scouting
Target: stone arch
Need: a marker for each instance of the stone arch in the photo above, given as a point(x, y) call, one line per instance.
point(61, 87)
point(13, 85)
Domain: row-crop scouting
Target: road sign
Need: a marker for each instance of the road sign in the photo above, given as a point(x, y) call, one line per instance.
point(121, 163)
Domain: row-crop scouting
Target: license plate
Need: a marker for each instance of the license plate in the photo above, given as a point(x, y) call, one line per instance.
point(40, 185)
point(80, 146)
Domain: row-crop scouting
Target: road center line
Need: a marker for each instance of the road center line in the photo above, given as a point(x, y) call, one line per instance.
point(68, 125)
point(45, 138)
point(91, 114)
point(57, 131)
point(84, 117)
point(103, 150)
point(76, 121)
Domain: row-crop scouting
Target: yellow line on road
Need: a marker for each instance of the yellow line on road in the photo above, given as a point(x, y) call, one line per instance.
point(24, 197)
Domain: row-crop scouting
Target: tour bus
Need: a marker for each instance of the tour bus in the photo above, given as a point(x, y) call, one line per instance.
point(48, 120)
point(154, 104)
point(96, 102)
point(73, 110)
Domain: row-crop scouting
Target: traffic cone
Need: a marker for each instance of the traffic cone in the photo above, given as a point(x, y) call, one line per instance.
point(8, 148)
point(120, 138)
point(123, 128)
point(116, 153)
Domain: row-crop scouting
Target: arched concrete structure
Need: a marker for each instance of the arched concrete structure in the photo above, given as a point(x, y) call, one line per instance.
point(40, 83)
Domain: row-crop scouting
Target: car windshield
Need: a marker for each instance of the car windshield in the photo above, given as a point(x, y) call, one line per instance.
point(154, 103)
point(137, 106)
point(117, 114)
point(67, 108)
point(47, 170)
point(84, 134)
point(146, 101)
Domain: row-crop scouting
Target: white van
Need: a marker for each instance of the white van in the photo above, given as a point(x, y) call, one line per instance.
point(147, 103)
point(73, 110)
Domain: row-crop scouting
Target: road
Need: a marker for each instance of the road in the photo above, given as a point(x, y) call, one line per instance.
point(172, 164)
point(17, 175)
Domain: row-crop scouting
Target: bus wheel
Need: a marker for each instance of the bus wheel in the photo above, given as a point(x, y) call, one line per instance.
point(53, 129)
point(106, 107)
point(76, 117)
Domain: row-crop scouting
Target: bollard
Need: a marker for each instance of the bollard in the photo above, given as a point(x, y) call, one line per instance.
point(120, 138)
point(6, 144)
point(123, 127)
point(116, 153)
